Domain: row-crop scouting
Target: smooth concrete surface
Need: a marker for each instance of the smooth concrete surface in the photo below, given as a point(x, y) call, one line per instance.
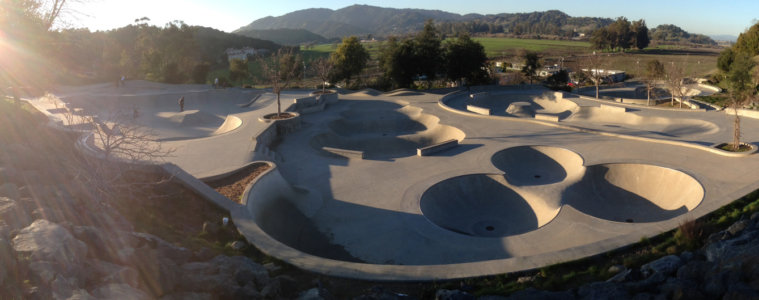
point(516, 194)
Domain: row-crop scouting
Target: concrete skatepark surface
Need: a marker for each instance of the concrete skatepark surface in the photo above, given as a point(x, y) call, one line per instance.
point(516, 194)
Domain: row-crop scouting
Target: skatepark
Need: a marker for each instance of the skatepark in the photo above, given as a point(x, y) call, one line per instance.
point(527, 177)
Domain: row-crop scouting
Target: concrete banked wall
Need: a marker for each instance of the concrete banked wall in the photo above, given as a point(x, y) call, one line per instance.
point(539, 180)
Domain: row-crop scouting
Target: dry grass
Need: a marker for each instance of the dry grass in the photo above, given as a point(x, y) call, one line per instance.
point(234, 186)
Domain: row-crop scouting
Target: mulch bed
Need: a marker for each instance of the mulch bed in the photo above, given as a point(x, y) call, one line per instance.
point(234, 186)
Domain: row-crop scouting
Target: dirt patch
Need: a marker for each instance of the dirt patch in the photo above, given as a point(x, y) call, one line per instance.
point(281, 116)
point(233, 186)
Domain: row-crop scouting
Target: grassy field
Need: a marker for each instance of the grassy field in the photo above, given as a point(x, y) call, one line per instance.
point(497, 47)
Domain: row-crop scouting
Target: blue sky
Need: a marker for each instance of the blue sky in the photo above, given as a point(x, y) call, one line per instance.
point(697, 16)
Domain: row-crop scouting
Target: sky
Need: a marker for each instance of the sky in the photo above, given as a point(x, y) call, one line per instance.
point(695, 16)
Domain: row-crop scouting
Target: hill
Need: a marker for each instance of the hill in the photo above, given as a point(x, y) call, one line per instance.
point(668, 33)
point(284, 36)
point(380, 21)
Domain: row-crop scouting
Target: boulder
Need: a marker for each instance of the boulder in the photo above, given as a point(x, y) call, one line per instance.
point(119, 291)
point(665, 265)
point(103, 272)
point(105, 245)
point(737, 227)
point(282, 286)
point(188, 296)
point(443, 294)
point(602, 290)
point(13, 214)
point(316, 294)
point(10, 190)
point(46, 241)
point(233, 264)
point(8, 263)
point(532, 293)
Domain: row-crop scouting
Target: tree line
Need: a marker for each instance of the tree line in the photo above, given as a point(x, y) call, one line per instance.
point(622, 34)
point(422, 57)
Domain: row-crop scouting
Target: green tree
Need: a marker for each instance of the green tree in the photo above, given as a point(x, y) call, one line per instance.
point(398, 62)
point(238, 70)
point(725, 59)
point(742, 86)
point(748, 41)
point(466, 60)
point(620, 33)
point(428, 52)
point(654, 72)
point(200, 72)
point(531, 65)
point(281, 69)
point(349, 59)
point(639, 37)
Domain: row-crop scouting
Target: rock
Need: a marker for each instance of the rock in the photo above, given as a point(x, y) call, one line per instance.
point(680, 289)
point(8, 263)
point(105, 245)
point(81, 294)
point(45, 271)
point(379, 292)
point(665, 265)
point(232, 264)
point(643, 296)
point(103, 272)
point(526, 279)
point(158, 275)
point(47, 241)
point(119, 291)
point(187, 296)
point(740, 291)
point(203, 254)
point(755, 217)
point(737, 227)
point(316, 294)
point(646, 285)
point(238, 245)
point(453, 295)
point(10, 190)
point(179, 255)
point(282, 286)
point(532, 293)
point(616, 269)
point(247, 292)
point(63, 288)
point(687, 256)
point(694, 271)
point(9, 174)
point(272, 267)
point(620, 277)
point(602, 290)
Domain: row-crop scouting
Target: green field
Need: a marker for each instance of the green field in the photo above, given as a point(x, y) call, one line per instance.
point(496, 47)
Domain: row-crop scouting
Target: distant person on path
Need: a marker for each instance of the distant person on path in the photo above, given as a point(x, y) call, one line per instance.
point(181, 104)
point(216, 83)
point(122, 80)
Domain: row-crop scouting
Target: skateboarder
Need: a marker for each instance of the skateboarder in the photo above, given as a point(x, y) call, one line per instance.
point(181, 104)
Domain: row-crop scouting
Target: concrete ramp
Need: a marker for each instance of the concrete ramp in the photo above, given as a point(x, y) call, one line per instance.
point(635, 193)
point(194, 118)
point(538, 165)
point(384, 130)
point(677, 127)
point(230, 123)
point(482, 205)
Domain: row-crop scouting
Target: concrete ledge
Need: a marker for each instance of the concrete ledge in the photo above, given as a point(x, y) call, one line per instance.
point(748, 113)
point(545, 117)
point(478, 109)
point(424, 151)
point(345, 152)
point(612, 108)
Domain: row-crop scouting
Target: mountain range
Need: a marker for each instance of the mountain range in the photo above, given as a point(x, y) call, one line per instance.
point(365, 20)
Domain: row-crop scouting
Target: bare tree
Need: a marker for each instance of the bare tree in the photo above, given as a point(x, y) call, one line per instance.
point(323, 67)
point(675, 79)
point(281, 69)
point(654, 72)
point(593, 68)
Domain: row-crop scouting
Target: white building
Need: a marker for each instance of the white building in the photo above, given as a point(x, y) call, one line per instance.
point(242, 54)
